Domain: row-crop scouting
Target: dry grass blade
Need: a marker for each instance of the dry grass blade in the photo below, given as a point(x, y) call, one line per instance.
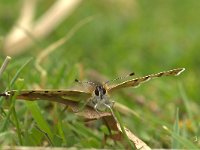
point(4, 65)
point(139, 144)
point(18, 40)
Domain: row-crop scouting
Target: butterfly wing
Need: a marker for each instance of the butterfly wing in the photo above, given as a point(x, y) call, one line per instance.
point(138, 81)
point(73, 95)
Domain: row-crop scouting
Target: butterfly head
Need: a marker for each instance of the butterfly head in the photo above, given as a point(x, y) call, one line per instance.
point(99, 91)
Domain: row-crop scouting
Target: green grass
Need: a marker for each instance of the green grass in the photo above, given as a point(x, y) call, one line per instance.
point(140, 36)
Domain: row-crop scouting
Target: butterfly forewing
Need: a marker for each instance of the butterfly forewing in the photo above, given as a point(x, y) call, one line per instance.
point(74, 95)
point(78, 95)
point(137, 81)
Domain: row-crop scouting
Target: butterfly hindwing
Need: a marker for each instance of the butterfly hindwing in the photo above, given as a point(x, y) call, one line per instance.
point(137, 81)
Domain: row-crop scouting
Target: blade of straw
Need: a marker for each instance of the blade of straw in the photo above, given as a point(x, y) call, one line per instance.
point(4, 65)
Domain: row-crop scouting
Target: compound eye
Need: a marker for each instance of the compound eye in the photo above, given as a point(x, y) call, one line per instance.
point(104, 91)
point(96, 92)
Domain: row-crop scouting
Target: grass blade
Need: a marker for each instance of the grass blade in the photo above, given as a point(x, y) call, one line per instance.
point(37, 115)
point(15, 77)
point(18, 126)
point(184, 143)
point(18, 73)
point(123, 130)
point(176, 130)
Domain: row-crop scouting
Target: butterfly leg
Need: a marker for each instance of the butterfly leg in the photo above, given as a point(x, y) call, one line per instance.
point(95, 108)
point(111, 110)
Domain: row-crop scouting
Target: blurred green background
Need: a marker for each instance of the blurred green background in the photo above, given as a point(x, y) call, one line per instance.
point(124, 36)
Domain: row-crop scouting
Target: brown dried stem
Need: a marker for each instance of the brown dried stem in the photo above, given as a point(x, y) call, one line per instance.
point(44, 53)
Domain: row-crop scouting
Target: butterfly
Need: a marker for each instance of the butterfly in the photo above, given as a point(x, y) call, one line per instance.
point(98, 95)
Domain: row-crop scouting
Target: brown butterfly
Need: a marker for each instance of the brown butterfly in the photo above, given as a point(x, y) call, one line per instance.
point(98, 95)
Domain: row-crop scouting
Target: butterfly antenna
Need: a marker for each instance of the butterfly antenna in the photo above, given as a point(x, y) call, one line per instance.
point(119, 78)
point(85, 82)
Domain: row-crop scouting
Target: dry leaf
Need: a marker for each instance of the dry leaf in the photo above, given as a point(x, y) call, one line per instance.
point(113, 125)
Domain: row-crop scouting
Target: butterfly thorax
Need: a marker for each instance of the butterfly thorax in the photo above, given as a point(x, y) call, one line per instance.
point(100, 98)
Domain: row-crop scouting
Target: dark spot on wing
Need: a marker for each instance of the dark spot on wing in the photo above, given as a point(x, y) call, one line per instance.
point(136, 80)
point(58, 91)
point(46, 91)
